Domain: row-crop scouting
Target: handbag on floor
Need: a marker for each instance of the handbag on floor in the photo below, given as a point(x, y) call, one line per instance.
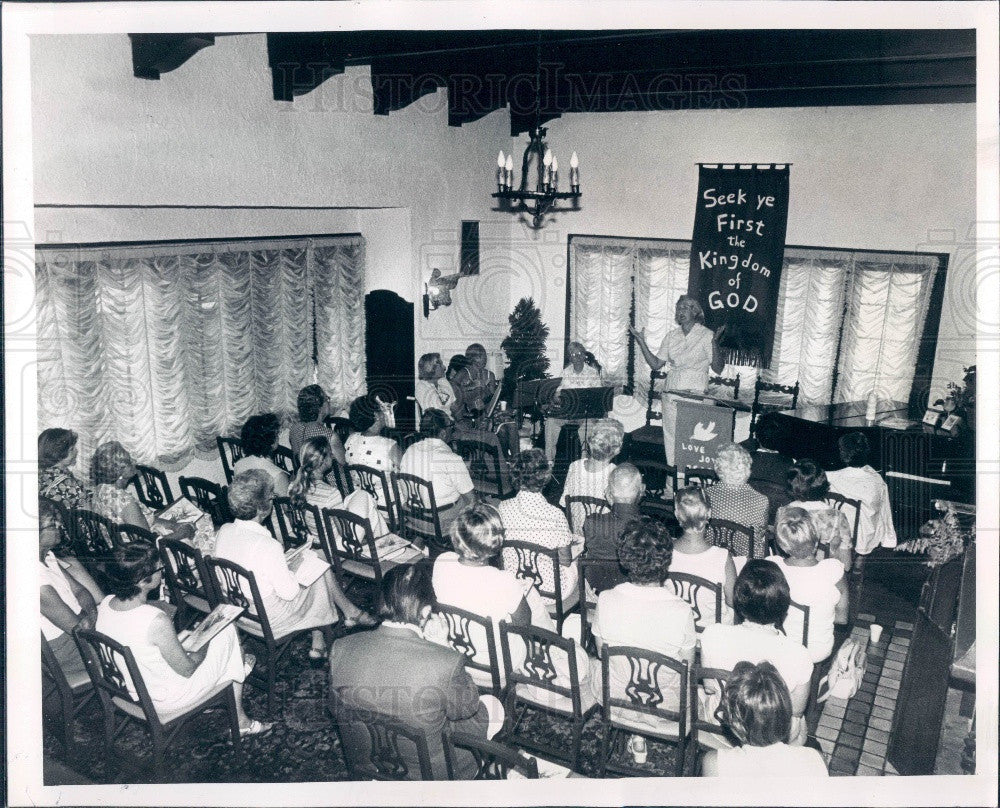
point(846, 672)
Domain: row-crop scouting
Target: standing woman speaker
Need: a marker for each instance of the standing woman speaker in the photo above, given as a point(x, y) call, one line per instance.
point(689, 352)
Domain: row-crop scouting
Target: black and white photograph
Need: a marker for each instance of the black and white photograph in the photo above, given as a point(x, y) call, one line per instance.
point(615, 366)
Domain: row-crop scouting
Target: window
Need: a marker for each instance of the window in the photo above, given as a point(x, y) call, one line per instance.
point(165, 346)
point(848, 321)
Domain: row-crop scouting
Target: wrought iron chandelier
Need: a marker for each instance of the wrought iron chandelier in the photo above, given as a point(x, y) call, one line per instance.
point(538, 159)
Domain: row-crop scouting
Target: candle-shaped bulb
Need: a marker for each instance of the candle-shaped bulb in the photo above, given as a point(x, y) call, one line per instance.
point(574, 162)
point(547, 159)
point(500, 160)
point(555, 172)
point(501, 174)
point(509, 170)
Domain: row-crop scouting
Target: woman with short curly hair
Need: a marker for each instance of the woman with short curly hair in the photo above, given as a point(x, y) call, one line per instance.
point(733, 499)
point(313, 405)
point(259, 438)
point(529, 517)
point(588, 476)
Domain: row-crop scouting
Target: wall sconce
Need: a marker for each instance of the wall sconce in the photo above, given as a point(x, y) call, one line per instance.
point(437, 291)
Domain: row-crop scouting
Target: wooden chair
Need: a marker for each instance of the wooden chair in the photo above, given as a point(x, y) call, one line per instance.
point(539, 671)
point(693, 589)
point(650, 678)
point(285, 459)
point(494, 761)
point(370, 741)
point(798, 617)
point(470, 634)
point(721, 381)
point(126, 534)
point(237, 586)
point(587, 603)
point(209, 496)
point(349, 545)
point(759, 407)
point(293, 523)
point(230, 450)
point(95, 538)
point(341, 479)
point(152, 487)
point(112, 669)
point(379, 486)
point(700, 477)
point(657, 476)
point(487, 467)
point(73, 694)
point(584, 507)
point(736, 538)
point(187, 578)
point(711, 680)
point(851, 508)
point(419, 513)
point(526, 560)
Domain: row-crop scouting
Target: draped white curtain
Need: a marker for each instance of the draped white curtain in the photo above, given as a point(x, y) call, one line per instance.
point(847, 321)
point(164, 347)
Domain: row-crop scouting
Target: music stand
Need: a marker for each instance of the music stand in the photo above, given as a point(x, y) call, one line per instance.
point(585, 402)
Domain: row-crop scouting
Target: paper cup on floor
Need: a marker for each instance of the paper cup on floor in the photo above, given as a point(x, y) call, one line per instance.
point(875, 632)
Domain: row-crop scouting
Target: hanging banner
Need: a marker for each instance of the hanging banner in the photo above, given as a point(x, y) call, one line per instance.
point(737, 249)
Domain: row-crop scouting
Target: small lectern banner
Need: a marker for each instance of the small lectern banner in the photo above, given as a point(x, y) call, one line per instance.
point(700, 430)
point(737, 249)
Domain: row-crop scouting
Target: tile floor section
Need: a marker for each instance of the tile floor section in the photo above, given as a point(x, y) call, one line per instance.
point(854, 733)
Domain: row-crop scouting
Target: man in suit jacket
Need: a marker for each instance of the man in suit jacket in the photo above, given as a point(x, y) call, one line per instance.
point(602, 531)
point(769, 468)
point(395, 671)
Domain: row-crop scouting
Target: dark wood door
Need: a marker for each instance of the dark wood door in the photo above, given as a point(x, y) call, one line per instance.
point(389, 349)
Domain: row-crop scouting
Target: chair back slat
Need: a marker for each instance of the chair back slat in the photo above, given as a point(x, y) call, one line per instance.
point(487, 467)
point(707, 686)
point(798, 615)
point(237, 586)
point(285, 459)
point(693, 589)
point(377, 484)
point(722, 381)
point(737, 538)
point(152, 487)
point(113, 671)
point(579, 507)
point(470, 634)
point(651, 414)
point(348, 537)
point(230, 450)
point(418, 511)
point(378, 756)
point(851, 508)
point(527, 561)
point(298, 524)
point(209, 496)
point(95, 537)
point(494, 761)
point(700, 477)
point(186, 571)
point(539, 667)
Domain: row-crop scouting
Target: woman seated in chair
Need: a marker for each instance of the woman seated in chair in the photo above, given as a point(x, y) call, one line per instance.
point(314, 406)
point(259, 437)
point(757, 707)
point(732, 498)
point(177, 680)
point(112, 470)
point(808, 486)
point(818, 584)
point(398, 671)
point(644, 613)
point(588, 476)
point(432, 459)
point(68, 598)
point(694, 554)
point(289, 606)
point(857, 480)
point(530, 518)
point(57, 454)
point(761, 600)
point(366, 446)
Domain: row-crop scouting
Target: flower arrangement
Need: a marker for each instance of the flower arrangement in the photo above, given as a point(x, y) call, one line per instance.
point(941, 539)
point(961, 398)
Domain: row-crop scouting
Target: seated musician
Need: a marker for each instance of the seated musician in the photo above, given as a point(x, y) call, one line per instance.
point(582, 371)
point(474, 385)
